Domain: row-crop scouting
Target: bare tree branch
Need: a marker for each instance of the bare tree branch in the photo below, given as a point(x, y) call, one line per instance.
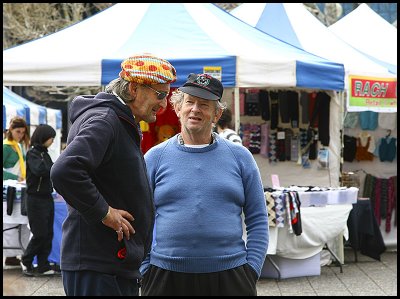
point(23, 22)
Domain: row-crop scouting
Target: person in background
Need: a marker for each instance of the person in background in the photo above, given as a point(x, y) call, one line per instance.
point(202, 184)
point(15, 145)
point(224, 127)
point(101, 174)
point(39, 202)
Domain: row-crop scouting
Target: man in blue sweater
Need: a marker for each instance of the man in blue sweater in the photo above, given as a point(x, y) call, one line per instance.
point(202, 185)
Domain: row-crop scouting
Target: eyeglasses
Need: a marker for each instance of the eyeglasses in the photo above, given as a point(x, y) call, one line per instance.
point(161, 95)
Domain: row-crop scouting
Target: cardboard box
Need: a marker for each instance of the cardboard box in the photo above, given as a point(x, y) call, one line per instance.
point(291, 267)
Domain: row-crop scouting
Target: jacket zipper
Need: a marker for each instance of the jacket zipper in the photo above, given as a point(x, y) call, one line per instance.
point(40, 182)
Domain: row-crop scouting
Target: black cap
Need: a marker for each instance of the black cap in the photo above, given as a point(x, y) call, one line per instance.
point(203, 86)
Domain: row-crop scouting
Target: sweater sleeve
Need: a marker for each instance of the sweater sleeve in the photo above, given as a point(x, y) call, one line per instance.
point(9, 161)
point(151, 158)
point(255, 213)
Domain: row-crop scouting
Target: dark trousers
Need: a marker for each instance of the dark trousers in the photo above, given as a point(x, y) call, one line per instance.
point(240, 281)
point(90, 283)
point(41, 219)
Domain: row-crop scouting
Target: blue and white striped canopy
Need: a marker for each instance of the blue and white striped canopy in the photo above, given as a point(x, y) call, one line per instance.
point(11, 109)
point(192, 36)
point(34, 114)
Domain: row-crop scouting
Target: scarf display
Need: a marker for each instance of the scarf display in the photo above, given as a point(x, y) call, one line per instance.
point(383, 195)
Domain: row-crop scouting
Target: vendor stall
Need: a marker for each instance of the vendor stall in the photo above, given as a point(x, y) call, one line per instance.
point(294, 24)
point(370, 89)
point(34, 114)
point(372, 119)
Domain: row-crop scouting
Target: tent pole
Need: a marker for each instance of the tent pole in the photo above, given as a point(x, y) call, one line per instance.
point(237, 108)
point(342, 111)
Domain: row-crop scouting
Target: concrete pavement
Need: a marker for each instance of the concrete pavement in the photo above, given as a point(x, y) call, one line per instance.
point(367, 277)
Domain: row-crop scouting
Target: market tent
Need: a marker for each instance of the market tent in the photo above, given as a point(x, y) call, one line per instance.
point(34, 114)
point(37, 114)
point(369, 33)
point(294, 24)
point(197, 37)
point(11, 109)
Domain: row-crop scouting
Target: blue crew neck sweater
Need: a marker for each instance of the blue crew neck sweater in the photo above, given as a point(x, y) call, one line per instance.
point(200, 195)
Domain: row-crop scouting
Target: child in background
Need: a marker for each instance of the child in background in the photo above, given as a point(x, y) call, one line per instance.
point(224, 127)
point(40, 202)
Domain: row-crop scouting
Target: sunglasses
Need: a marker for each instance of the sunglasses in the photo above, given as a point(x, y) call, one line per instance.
point(161, 95)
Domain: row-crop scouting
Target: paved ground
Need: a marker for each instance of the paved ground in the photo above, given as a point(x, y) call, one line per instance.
point(367, 277)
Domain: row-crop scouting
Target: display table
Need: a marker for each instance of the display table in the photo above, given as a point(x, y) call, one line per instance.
point(16, 231)
point(324, 217)
point(15, 226)
point(329, 197)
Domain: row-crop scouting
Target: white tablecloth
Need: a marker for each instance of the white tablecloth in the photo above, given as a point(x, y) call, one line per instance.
point(324, 217)
point(319, 225)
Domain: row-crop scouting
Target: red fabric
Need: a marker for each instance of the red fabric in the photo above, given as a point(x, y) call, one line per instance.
point(147, 141)
point(121, 253)
point(390, 204)
point(394, 182)
point(165, 116)
point(242, 101)
point(377, 207)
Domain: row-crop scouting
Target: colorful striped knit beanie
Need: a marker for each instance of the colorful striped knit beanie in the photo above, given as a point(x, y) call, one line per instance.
point(147, 69)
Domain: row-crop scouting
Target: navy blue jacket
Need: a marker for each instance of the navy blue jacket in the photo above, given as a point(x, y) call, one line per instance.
point(103, 165)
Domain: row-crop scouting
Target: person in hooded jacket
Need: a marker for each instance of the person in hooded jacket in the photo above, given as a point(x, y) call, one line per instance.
point(101, 174)
point(40, 204)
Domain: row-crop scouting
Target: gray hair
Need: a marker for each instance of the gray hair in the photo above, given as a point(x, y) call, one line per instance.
point(120, 87)
point(177, 97)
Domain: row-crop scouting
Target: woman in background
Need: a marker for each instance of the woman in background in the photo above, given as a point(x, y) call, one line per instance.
point(15, 145)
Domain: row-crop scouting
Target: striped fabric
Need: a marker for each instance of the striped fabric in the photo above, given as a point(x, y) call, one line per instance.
point(272, 147)
point(280, 209)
